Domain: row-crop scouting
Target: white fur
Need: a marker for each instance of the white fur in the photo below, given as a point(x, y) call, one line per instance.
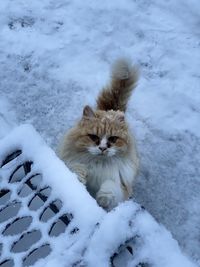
point(104, 180)
point(111, 151)
point(94, 150)
point(103, 142)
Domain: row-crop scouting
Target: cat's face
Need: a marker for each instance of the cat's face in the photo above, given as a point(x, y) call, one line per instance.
point(102, 134)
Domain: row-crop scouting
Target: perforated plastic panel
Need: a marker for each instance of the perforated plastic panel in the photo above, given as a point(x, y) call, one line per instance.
point(37, 220)
point(25, 206)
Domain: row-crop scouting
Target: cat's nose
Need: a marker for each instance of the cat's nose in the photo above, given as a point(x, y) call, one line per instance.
point(102, 148)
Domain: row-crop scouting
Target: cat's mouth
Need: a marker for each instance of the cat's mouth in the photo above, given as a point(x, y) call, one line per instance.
point(107, 153)
point(103, 153)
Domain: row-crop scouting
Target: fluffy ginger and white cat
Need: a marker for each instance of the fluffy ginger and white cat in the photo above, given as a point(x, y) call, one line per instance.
point(100, 148)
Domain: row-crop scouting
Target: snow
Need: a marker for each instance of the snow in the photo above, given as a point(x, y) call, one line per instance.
point(156, 246)
point(55, 57)
point(7, 117)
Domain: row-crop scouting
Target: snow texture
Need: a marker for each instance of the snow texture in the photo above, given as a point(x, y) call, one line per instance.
point(7, 117)
point(99, 234)
point(55, 57)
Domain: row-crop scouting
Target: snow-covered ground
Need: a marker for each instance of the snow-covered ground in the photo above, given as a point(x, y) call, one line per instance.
point(55, 57)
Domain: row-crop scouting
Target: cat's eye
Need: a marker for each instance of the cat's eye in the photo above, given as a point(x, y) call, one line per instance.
point(112, 139)
point(94, 137)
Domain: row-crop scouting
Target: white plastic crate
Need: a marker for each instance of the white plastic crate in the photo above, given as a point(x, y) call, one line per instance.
point(47, 218)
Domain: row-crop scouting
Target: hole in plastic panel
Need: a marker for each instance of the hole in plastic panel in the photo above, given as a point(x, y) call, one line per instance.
point(32, 184)
point(18, 226)
point(37, 254)
point(11, 210)
point(60, 225)
point(39, 199)
point(20, 172)
point(51, 210)
point(4, 196)
point(126, 253)
point(10, 157)
point(26, 241)
point(7, 263)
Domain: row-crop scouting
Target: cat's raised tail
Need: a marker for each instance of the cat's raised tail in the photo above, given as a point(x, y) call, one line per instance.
point(124, 77)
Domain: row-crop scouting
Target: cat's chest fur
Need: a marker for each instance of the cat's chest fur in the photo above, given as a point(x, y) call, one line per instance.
point(101, 170)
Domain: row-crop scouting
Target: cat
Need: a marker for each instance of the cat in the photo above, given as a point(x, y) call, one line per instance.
point(100, 148)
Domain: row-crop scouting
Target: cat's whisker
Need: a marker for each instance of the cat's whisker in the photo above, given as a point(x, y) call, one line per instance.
point(94, 150)
point(111, 152)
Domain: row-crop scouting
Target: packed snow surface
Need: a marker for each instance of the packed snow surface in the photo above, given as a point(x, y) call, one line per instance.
point(55, 57)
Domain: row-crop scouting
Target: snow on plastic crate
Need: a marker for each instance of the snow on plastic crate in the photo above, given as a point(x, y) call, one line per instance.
point(23, 234)
point(47, 218)
point(28, 190)
point(40, 214)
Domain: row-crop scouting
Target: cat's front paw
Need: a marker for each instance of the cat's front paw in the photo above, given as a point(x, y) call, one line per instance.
point(105, 200)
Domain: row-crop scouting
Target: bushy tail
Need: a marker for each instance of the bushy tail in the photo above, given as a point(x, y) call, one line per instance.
point(124, 79)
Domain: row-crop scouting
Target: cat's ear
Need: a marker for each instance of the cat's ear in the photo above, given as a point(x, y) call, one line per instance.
point(88, 112)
